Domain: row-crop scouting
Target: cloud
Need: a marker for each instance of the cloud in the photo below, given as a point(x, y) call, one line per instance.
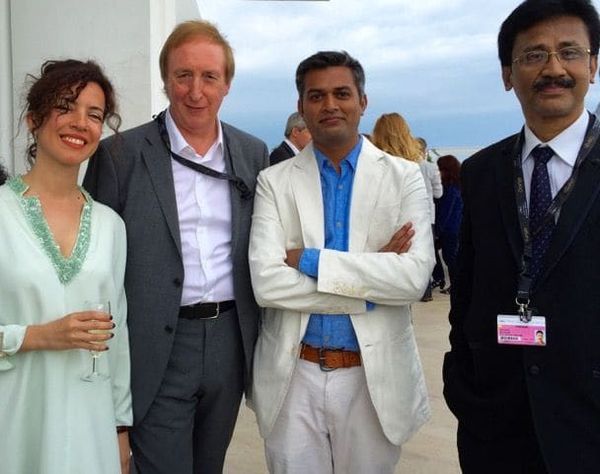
point(434, 62)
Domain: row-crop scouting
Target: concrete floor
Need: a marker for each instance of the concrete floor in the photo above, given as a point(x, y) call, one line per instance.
point(431, 451)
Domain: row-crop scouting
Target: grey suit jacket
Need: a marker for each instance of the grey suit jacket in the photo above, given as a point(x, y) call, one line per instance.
point(131, 173)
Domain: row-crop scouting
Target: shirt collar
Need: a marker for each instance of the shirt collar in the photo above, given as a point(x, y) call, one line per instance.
point(566, 144)
point(179, 144)
point(351, 158)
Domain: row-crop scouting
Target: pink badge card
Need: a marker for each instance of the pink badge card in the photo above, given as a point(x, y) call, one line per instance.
point(511, 330)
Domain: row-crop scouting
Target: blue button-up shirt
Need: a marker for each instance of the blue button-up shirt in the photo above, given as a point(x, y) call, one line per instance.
point(333, 331)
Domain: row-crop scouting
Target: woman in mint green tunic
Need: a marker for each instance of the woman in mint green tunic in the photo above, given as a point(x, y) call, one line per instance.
point(61, 250)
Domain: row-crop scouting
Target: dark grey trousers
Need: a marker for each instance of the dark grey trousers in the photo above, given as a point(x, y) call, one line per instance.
point(189, 425)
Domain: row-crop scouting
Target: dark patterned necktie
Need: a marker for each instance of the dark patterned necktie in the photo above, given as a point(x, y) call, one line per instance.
point(540, 198)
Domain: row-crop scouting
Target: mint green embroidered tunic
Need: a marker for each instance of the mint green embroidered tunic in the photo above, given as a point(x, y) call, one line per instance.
point(52, 422)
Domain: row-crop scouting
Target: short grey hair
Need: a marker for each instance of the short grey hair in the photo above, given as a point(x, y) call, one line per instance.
point(295, 120)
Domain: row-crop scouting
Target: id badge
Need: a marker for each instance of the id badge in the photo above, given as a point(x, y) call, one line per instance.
point(511, 330)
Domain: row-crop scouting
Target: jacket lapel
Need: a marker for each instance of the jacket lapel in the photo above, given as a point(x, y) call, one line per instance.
point(575, 210)
point(308, 196)
point(233, 161)
point(365, 190)
point(158, 162)
point(505, 185)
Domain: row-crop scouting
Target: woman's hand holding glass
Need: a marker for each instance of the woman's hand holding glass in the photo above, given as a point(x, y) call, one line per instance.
point(73, 331)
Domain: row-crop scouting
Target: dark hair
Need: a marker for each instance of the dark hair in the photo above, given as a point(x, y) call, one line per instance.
point(3, 175)
point(532, 12)
point(325, 59)
point(59, 84)
point(449, 169)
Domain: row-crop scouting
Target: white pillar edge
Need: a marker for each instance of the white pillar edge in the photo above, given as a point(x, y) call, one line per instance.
point(7, 130)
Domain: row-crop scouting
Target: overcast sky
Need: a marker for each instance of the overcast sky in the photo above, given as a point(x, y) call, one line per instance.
point(433, 61)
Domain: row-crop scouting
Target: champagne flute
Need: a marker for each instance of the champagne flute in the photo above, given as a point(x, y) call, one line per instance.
point(103, 307)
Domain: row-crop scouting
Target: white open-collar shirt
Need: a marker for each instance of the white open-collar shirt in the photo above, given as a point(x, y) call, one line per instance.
point(566, 147)
point(204, 209)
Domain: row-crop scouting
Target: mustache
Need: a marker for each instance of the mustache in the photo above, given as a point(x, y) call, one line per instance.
point(565, 82)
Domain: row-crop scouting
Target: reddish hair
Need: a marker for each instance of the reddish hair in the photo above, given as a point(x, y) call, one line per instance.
point(449, 169)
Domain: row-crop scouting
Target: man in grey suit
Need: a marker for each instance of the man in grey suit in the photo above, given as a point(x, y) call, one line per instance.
point(183, 183)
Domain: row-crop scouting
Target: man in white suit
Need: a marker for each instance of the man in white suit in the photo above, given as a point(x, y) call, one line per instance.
point(338, 385)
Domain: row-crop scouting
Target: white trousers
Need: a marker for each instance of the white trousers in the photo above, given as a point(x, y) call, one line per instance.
point(328, 425)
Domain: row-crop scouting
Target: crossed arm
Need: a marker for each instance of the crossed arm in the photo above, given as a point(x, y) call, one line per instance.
point(399, 243)
point(396, 274)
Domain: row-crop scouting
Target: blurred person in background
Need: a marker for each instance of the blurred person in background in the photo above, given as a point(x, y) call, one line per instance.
point(297, 136)
point(392, 134)
point(449, 213)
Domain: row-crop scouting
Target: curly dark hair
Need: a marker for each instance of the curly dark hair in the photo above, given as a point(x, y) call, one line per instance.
point(3, 175)
point(59, 84)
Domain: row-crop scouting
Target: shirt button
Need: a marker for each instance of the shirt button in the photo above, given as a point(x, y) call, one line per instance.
point(168, 329)
point(340, 187)
point(177, 282)
point(338, 224)
point(534, 370)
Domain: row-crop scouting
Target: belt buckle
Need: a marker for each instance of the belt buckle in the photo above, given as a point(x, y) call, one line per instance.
point(217, 311)
point(322, 365)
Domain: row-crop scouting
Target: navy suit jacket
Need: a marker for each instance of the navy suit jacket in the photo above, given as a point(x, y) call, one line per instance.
point(491, 388)
point(282, 152)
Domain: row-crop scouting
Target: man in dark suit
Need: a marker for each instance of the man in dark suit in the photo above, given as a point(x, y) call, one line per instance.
point(183, 183)
point(529, 250)
point(297, 136)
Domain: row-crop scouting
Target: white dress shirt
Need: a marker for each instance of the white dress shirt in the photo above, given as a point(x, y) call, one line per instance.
point(204, 209)
point(566, 146)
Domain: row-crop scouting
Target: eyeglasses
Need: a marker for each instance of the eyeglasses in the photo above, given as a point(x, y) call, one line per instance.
point(538, 57)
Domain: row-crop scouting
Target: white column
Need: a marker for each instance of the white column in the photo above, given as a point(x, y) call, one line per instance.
point(124, 37)
point(6, 88)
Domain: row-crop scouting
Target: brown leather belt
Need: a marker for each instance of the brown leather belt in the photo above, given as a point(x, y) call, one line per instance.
point(330, 359)
point(205, 310)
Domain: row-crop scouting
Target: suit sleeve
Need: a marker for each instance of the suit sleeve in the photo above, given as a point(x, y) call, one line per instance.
point(275, 284)
point(265, 157)
point(120, 373)
point(385, 277)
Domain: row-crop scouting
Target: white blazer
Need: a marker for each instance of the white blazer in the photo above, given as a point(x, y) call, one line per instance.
point(288, 213)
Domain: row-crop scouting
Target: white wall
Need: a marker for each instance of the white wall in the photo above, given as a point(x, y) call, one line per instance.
point(124, 36)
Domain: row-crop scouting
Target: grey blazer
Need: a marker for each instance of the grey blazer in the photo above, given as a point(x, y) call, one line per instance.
point(131, 173)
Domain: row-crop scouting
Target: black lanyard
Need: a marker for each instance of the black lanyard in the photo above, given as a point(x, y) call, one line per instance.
point(525, 280)
point(239, 184)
